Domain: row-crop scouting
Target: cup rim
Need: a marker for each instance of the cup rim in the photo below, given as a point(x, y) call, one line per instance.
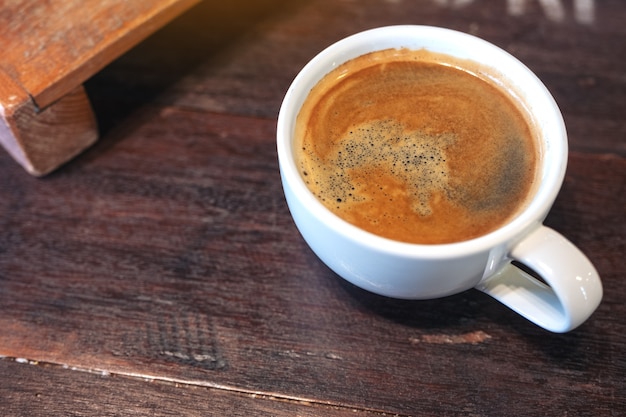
point(552, 132)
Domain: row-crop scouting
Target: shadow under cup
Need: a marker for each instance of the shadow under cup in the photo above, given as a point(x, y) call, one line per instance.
point(417, 271)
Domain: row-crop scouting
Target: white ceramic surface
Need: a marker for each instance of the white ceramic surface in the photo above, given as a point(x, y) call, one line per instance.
point(412, 271)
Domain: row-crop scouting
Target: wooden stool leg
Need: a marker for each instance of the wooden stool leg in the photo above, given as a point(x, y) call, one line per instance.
point(41, 140)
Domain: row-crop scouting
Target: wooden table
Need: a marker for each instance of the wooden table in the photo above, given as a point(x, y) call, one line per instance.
point(159, 273)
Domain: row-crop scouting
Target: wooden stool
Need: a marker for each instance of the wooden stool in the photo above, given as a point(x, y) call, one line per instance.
point(47, 50)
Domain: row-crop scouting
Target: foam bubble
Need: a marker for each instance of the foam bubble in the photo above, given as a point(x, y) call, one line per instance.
point(416, 159)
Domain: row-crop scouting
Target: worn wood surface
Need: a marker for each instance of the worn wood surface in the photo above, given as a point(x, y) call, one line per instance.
point(51, 47)
point(160, 273)
point(47, 50)
point(41, 140)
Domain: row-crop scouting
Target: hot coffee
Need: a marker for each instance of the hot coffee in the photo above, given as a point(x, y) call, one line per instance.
point(416, 146)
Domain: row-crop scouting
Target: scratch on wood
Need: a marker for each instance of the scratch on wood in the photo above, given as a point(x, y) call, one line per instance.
point(333, 356)
point(295, 355)
point(472, 338)
point(289, 354)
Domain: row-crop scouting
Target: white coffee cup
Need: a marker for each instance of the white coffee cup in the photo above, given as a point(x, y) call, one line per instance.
point(417, 271)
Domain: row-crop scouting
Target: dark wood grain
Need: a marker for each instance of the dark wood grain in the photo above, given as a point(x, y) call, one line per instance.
point(34, 389)
point(167, 253)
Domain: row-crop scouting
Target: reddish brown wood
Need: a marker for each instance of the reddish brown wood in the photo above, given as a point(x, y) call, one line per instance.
point(49, 48)
point(43, 139)
point(167, 251)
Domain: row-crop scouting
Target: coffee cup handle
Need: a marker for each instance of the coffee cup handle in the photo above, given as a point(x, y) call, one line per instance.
point(572, 289)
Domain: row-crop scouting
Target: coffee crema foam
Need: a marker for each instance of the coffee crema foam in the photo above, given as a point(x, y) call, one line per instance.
point(409, 148)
